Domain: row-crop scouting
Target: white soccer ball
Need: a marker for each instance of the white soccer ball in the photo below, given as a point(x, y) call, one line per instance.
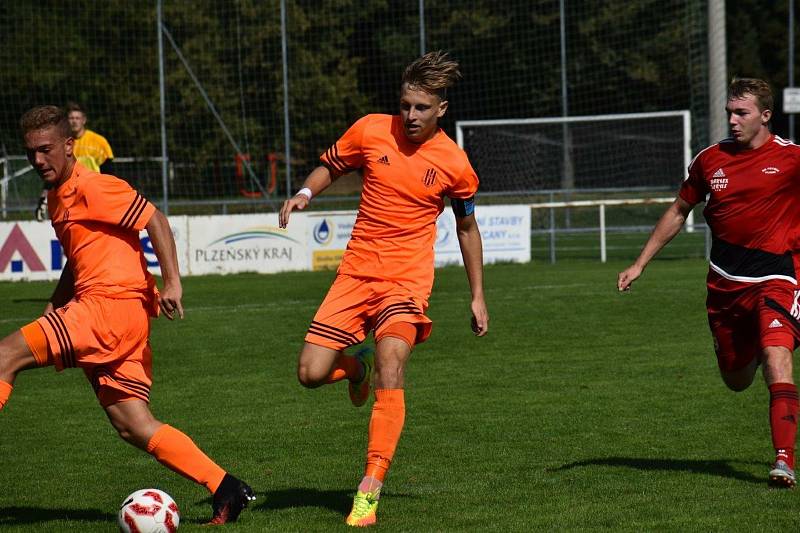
point(149, 511)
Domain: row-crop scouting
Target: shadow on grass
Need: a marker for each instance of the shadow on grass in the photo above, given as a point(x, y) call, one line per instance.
point(719, 467)
point(16, 516)
point(27, 300)
point(339, 501)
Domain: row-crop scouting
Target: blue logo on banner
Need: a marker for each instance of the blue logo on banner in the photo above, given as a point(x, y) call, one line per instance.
point(322, 232)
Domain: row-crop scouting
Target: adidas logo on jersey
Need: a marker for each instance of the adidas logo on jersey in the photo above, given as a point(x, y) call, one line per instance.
point(718, 180)
point(775, 324)
point(384, 160)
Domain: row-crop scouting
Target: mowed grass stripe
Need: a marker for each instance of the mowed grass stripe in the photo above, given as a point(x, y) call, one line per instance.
point(582, 409)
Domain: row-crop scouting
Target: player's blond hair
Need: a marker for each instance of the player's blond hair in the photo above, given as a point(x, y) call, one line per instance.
point(43, 117)
point(434, 73)
point(740, 87)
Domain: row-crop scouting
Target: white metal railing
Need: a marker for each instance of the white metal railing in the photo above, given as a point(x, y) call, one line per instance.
point(601, 205)
point(7, 177)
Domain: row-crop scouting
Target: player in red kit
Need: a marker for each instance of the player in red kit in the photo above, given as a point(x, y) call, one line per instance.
point(751, 184)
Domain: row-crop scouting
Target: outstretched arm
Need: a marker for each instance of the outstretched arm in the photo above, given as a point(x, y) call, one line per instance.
point(665, 229)
point(317, 181)
point(164, 246)
point(469, 239)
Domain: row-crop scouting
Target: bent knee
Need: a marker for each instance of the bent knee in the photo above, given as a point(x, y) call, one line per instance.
point(741, 378)
point(738, 381)
point(309, 377)
point(126, 433)
point(390, 377)
point(137, 433)
point(15, 356)
point(737, 386)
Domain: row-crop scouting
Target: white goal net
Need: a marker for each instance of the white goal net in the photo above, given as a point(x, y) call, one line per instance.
point(623, 151)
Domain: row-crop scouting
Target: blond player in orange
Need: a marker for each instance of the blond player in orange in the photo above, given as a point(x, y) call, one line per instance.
point(90, 149)
point(98, 318)
point(409, 165)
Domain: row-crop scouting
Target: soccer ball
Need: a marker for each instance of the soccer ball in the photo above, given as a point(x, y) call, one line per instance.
point(148, 511)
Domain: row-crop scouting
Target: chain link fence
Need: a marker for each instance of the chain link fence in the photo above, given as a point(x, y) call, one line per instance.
point(243, 126)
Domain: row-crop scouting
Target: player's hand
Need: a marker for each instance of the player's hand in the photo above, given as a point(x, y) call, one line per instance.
point(298, 201)
point(627, 277)
point(41, 209)
point(170, 301)
point(480, 318)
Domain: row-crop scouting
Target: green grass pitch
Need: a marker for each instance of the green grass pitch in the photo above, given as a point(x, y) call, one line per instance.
point(582, 409)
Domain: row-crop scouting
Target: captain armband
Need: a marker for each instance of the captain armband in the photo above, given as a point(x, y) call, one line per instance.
point(463, 208)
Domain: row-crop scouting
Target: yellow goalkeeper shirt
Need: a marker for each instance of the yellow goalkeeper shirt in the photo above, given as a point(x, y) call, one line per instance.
point(92, 150)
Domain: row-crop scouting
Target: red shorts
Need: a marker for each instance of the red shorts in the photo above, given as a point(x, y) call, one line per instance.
point(355, 306)
point(107, 338)
point(743, 325)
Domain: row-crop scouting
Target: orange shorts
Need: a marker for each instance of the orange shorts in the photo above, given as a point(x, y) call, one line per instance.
point(355, 306)
point(106, 337)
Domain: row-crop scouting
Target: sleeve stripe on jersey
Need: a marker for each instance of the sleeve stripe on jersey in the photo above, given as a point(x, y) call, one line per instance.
point(341, 161)
point(333, 160)
point(330, 332)
point(134, 211)
point(64, 340)
point(463, 208)
point(336, 161)
point(407, 308)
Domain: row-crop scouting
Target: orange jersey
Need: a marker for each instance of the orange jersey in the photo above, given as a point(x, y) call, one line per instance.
point(97, 219)
point(404, 185)
point(92, 150)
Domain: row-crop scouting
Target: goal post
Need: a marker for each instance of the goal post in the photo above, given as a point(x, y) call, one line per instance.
point(622, 152)
point(601, 146)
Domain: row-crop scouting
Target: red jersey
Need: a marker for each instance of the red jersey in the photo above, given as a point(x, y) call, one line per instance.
point(404, 185)
point(751, 207)
point(97, 219)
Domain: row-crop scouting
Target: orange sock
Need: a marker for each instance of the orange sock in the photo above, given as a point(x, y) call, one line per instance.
point(385, 426)
point(179, 453)
point(348, 367)
point(5, 392)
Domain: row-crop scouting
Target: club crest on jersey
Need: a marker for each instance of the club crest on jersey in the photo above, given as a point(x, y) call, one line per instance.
point(718, 180)
point(430, 177)
point(770, 170)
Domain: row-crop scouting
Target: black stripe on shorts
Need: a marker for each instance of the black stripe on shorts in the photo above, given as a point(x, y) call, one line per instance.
point(405, 308)
point(332, 333)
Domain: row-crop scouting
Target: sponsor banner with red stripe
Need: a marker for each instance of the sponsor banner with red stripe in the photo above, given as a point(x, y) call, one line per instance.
point(228, 244)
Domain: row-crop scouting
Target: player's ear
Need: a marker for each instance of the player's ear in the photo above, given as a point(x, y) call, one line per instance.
point(442, 109)
point(69, 145)
point(765, 116)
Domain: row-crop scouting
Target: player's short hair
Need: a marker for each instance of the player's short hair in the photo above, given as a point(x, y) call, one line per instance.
point(740, 87)
point(434, 73)
point(43, 117)
point(74, 106)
